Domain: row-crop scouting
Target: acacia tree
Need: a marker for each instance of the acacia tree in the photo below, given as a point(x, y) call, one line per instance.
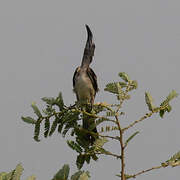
point(108, 117)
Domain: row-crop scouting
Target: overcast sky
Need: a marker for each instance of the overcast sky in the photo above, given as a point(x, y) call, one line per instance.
point(41, 44)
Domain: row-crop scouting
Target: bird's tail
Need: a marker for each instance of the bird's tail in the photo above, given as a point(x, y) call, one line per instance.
point(87, 123)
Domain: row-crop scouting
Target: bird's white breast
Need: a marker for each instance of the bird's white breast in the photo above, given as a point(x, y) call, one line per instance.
point(83, 87)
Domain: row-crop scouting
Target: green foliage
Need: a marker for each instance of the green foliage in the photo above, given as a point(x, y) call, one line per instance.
point(46, 127)
point(37, 130)
point(112, 87)
point(108, 128)
point(98, 122)
point(53, 127)
point(174, 160)
point(14, 174)
point(62, 174)
point(131, 137)
point(36, 110)
point(98, 144)
point(17, 172)
point(165, 104)
point(31, 178)
point(69, 119)
point(124, 76)
point(80, 175)
point(73, 145)
point(149, 101)
point(28, 119)
point(117, 87)
point(127, 176)
point(80, 161)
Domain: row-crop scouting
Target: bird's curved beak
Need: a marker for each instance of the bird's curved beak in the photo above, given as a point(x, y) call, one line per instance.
point(89, 33)
point(90, 46)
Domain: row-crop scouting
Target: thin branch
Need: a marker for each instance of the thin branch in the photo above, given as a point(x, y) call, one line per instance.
point(95, 116)
point(110, 154)
point(147, 170)
point(137, 121)
point(122, 149)
point(111, 137)
point(147, 115)
point(97, 134)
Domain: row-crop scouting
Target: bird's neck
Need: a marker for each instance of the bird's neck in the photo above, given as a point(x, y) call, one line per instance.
point(85, 62)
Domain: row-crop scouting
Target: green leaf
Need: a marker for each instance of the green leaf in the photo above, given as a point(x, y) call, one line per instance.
point(46, 127)
point(17, 172)
point(161, 113)
point(98, 144)
point(97, 122)
point(31, 178)
point(131, 137)
point(118, 175)
point(120, 92)
point(62, 174)
point(48, 100)
point(9, 175)
point(3, 176)
point(80, 161)
point(165, 104)
point(175, 157)
point(29, 120)
point(174, 160)
point(60, 128)
point(133, 85)
point(84, 176)
point(74, 146)
point(127, 176)
point(87, 158)
point(37, 130)
point(112, 87)
point(149, 101)
point(80, 175)
point(59, 101)
point(53, 127)
point(124, 76)
point(94, 157)
point(168, 108)
point(171, 96)
point(36, 110)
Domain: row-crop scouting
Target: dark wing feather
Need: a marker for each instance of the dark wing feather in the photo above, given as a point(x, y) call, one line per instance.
point(93, 78)
point(74, 76)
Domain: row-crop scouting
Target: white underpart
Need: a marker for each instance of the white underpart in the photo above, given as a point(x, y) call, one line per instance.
point(84, 88)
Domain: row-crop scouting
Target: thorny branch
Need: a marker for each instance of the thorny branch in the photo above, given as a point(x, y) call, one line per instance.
point(147, 115)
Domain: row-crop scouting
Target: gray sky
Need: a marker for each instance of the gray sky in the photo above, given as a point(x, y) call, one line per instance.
point(41, 44)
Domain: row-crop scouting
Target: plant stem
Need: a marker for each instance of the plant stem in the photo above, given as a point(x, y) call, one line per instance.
point(147, 170)
point(156, 110)
point(122, 148)
point(137, 121)
point(95, 116)
point(110, 154)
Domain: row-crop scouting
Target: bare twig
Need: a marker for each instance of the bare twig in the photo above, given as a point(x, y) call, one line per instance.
point(137, 121)
point(147, 115)
point(147, 170)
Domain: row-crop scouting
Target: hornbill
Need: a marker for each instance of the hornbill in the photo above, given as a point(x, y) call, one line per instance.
point(85, 82)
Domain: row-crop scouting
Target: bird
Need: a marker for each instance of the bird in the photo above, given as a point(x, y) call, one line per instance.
point(85, 82)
